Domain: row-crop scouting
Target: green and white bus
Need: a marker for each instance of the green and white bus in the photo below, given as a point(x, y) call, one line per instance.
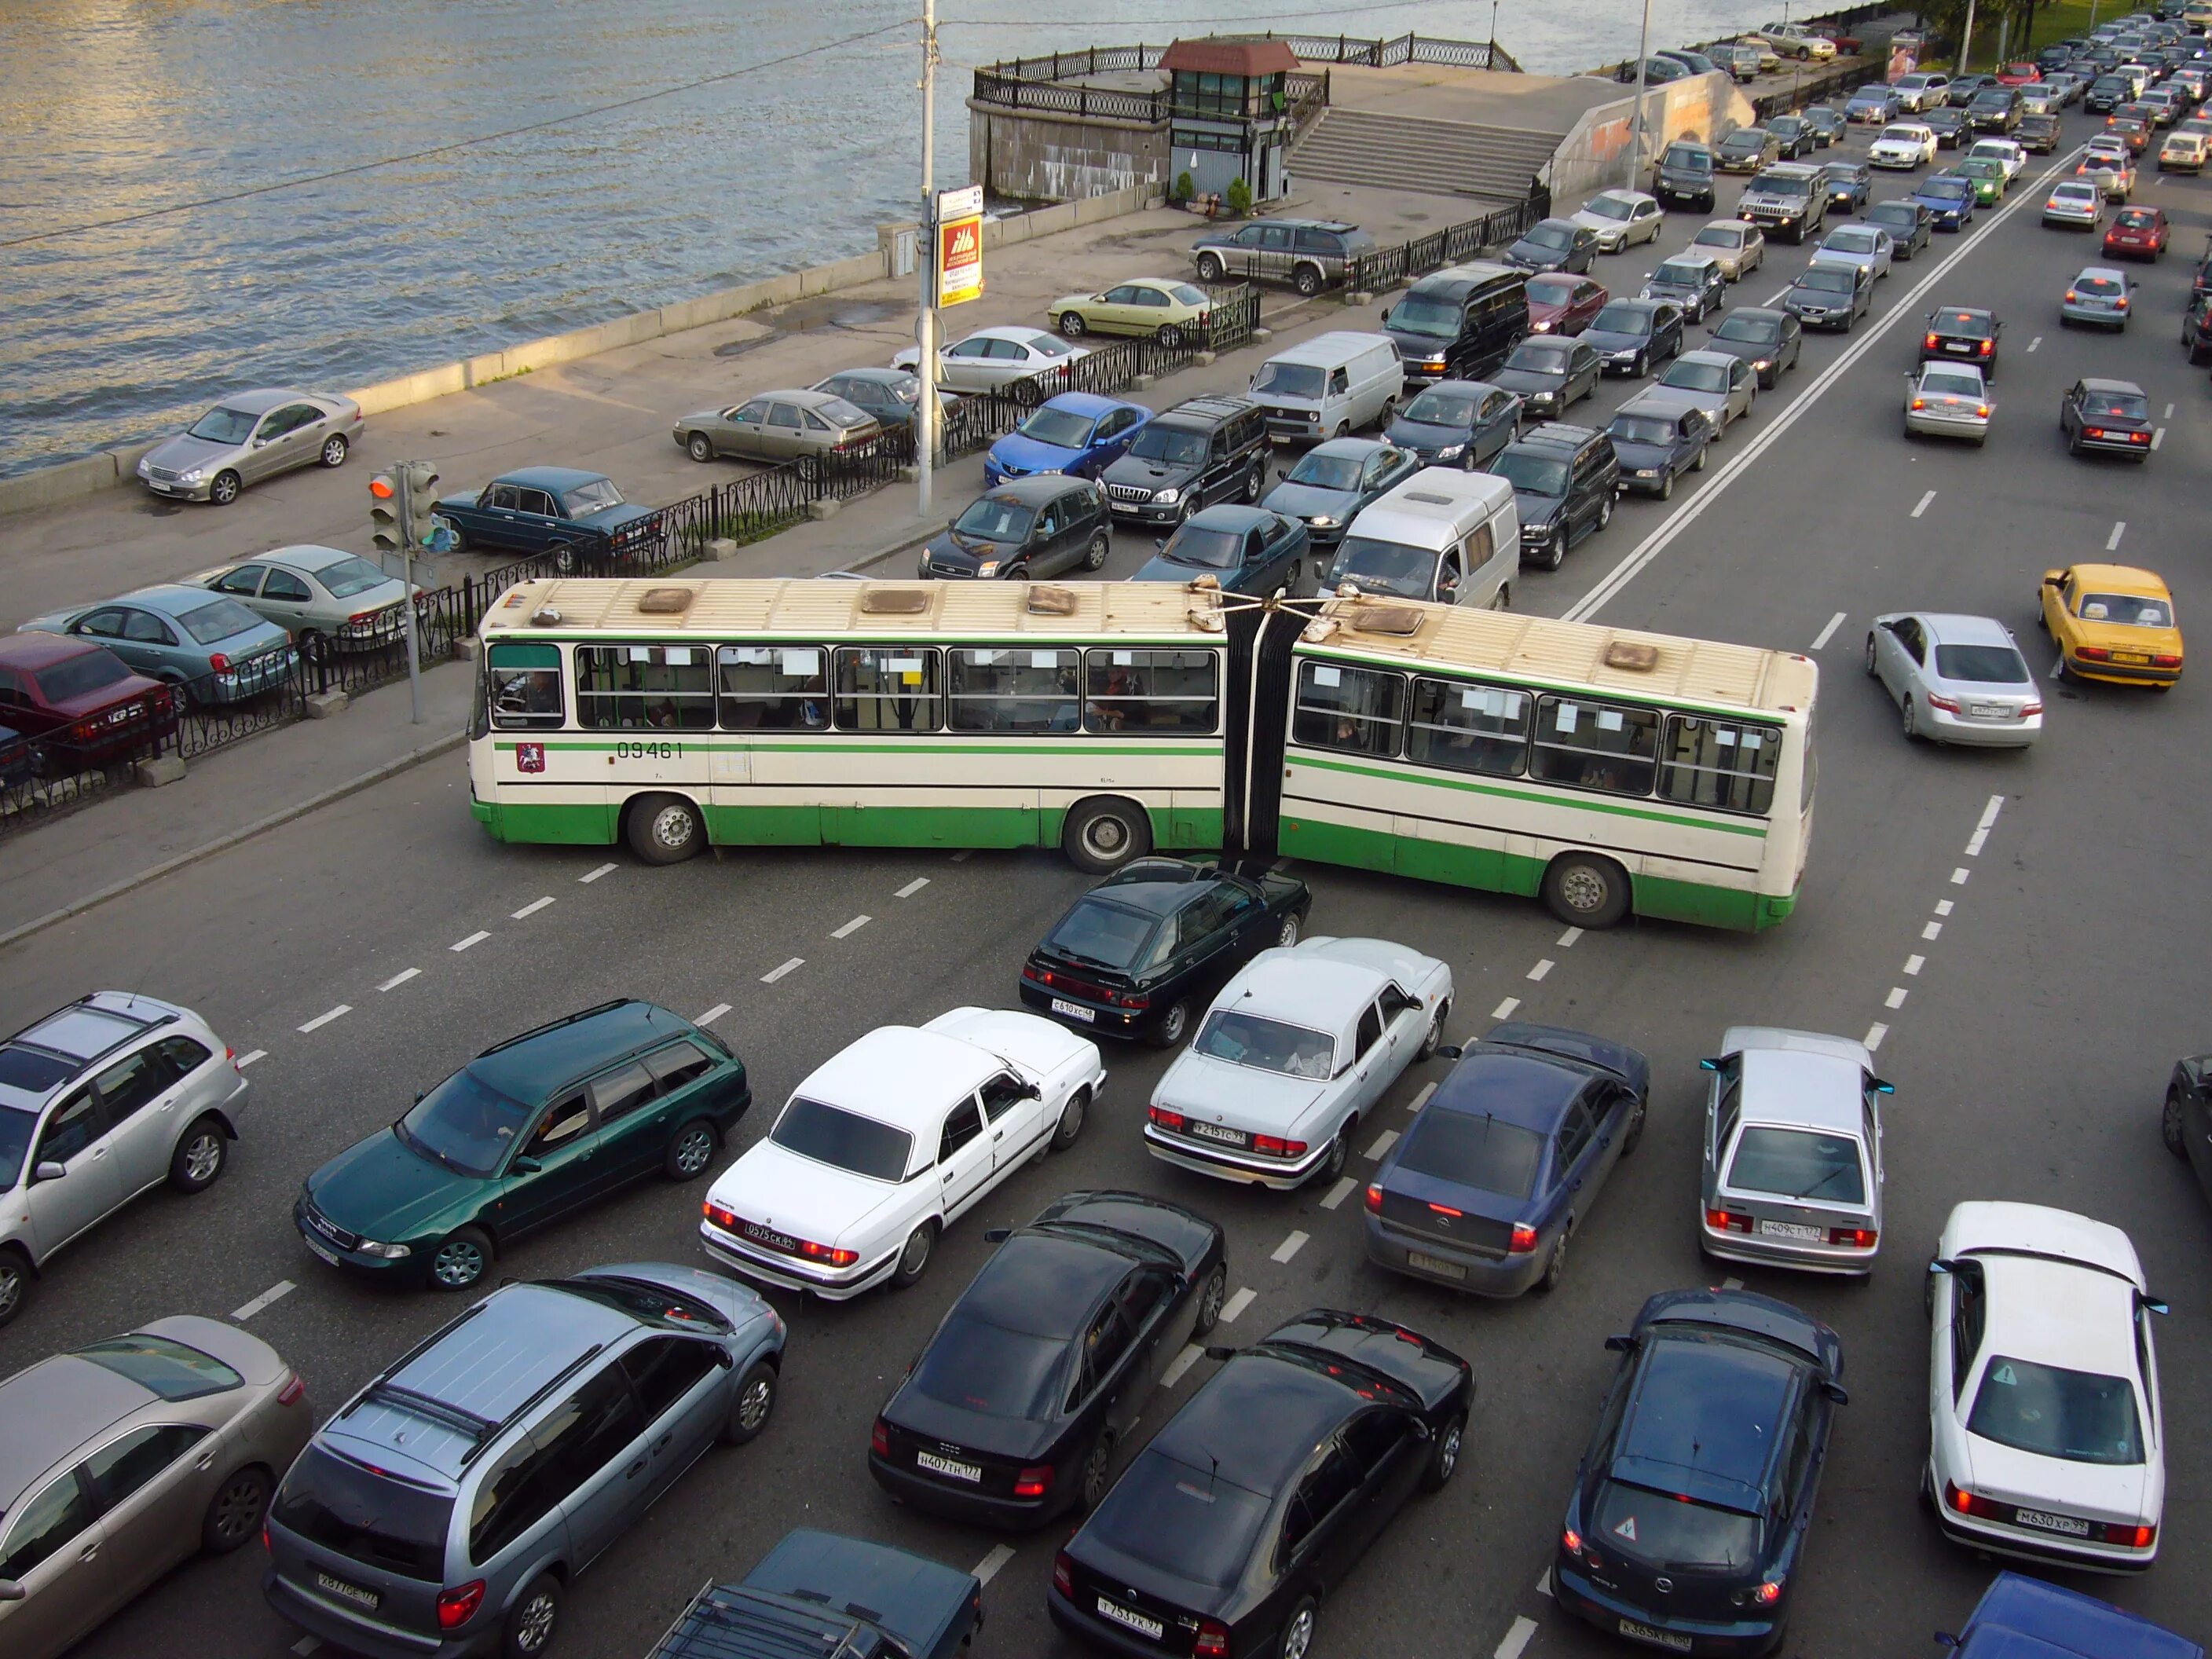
point(1609, 772)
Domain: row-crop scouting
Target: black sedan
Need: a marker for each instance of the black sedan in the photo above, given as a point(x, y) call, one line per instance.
point(1962, 334)
point(1335, 479)
point(1769, 339)
point(1550, 375)
point(1793, 133)
point(1147, 947)
point(1694, 281)
point(1261, 1493)
point(1023, 527)
point(1012, 1413)
point(1247, 549)
point(1457, 424)
point(578, 519)
point(1829, 293)
point(2109, 416)
point(1909, 223)
point(1631, 335)
point(2185, 1124)
point(1826, 124)
point(1687, 1525)
point(1658, 444)
point(1554, 245)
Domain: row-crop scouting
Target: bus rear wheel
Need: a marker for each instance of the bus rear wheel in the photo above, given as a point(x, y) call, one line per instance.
point(664, 829)
point(1586, 891)
point(1104, 834)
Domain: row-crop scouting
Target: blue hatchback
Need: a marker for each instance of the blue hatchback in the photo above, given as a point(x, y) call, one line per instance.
point(2020, 1618)
point(1949, 199)
point(211, 645)
point(1077, 433)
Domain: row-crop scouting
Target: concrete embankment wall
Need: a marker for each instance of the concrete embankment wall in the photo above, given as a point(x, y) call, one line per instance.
point(68, 480)
point(1594, 152)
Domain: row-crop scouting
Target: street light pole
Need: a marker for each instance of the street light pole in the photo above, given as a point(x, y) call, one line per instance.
point(925, 249)
point(1643, 73)
point(1493, 35)
point(1965, 39)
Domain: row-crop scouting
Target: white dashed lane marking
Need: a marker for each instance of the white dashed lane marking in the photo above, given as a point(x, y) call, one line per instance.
point(1829, 632)
point(590, 876)
point(1191, 1354)
point(1383, 1142)
point(1568, 938)
point(2169, 412)
point(1875, 1033)
point(712, 1014)
point(911, 887)
point(1924, 502)
point(1544, 1585)
point(1989, 812)
point(248, 1058)
point(1944, 906)
point(776, 974)
point(1515, 1639)
point(400, 979)
point(475, 938)
point(1959, 878)
point(1541, 969)
point(1914, 964)
point(2112, 541)
point(2036, 341)
point(1289, 1248)
point(1932, 930)
point(276, 1292)
point(1236, 1304)
point(323, 1019)
point(852, 927)
point(1896, 997)
point(1504, 1010)
point(1422, 1098)
point(532, 908)
point(2158, 437)
point(1338, 1193)
point(988, 1567)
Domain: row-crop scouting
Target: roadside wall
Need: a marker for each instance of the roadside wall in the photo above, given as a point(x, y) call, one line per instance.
point(1026, 155)
point(1593, 156)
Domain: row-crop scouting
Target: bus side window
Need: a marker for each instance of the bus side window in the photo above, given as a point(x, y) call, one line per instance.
point(1358, 710)
point(526, 687)
point(887, 690)
point(644, 688)
point(1593, 745)
point(1720, 763)
point(773, 688)
point(1171, 694)
point(1469, 728)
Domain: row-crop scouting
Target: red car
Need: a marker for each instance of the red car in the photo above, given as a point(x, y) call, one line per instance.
point(2134, 128)
point(2019, 75)
point(1562, 303)
point(2139, 232)
point(77, 704)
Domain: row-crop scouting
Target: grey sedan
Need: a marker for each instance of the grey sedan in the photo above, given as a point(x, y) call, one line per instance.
point(889, 394)
point(1830, 294)
point(213, 647)
point(1956, 679)
point(805, 427)
point(1947, 400)
point(125, 1457)
point(1552, 374)
point(316, 592)
point(1769, 340)
point(250, 437)
point(1334, 480)
point(1719, 383)
point(2099, 296)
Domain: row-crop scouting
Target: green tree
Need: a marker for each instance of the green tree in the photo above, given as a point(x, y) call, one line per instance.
point(1240, 196)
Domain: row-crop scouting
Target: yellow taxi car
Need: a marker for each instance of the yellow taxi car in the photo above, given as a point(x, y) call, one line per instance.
point(2113, 622)
point(1172, 312)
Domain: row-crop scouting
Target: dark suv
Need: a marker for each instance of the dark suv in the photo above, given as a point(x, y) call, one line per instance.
point(1564, 479)
point(1024, 528)
point(1995, 109)
point(1310, 254)
point(1202, 451)
point(1685, 176)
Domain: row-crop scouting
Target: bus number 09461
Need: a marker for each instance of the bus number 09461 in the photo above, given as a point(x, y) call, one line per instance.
point(647, 751)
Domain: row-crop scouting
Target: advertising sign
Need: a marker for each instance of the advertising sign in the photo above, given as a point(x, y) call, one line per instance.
point(959, 245)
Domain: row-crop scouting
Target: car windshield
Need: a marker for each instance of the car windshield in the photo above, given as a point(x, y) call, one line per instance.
point(1947, 189)
point(1696, 377)
point(976, 1366)
point(1532, 474)
point(1535, 357)
point(2100, 286)
point(1551, 236)
point(224, 425)
point(1682, 273)
point(1424, 313)
point(1552, 289)
point(1061, 428)
point(1622, 318)
point(1684, 159)
point(1950, 383)
point(996, 519)
point(1290, 380)
point(1187, 1523)
point(1264, 1044)
point(843, 1140)
point(1902, 135)
point(1827, 281)
point(1607, 207)
point(1892, 213)
point(1852, 241)
point(1437, 408)
point(2136, 219)
point(1342, 471)
point(464, 1125)
point(588, 498)
point(1749, 331)
point(1382, 567)
point(1787, 183)
point(1731, 236)
point(1642, 429)
point(1170, 446)
point(1103, 934)
point(1668, 1530)
point(1798, 1164)
point(2128, 610)
point(1213, 549)
point(162, 1367)
point(220, 620)
point(1993, 98)
point(2081, 1416)
point(1983, 664)
point(348, 577)
point(80, 676)
point(1747, 141)
point(16, 1128)
point(1475, 1151)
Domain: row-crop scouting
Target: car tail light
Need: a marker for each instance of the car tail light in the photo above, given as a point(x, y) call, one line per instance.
point(1987, 346)
point(2138, 437)
point(1036, 975)
point(1931, 343)
point(2027, 709)
point(2071, 296)
point(1920, 403)
point(2133, 1538)
point(1171, 1122)
point(726, 1219)
point(265, 1543)
point(359, 617)
point(1968, 1503)
point(829, 1253)
point(1982, 412)
point(2092, 653)
point(294, 1391)
point(2122, 302)
point(1857, 1238)
point(218, 662)
point(1034, 1481)
point(1947, 705)
point(1522, 1241)
point(1446, 1209)
point(457, 1607)
point(1727, 1221)
point(1212, 1641)
point(2165, 662)
point(879, 1438)
point(1276, 1146)
point(1063, 1574)
point(1374, 1199)
point(2094, 432)
point(1129, 999)
point(1571, 1540)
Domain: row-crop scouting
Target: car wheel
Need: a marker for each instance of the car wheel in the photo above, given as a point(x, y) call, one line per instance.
point(2169, 1124)
point(1209, 268)
point(1210, 1297)
point(1555, 1267)
point(14, 1283)
point(1072, 325)
point(1555, 550)
point(1339, 1154)
point(1634, 1135)
point(1503, 599)
point(334, 450)
point(914, 1260)
point(1585, 891)
point(459, 1262)
point(1698, 465)
point(1094, 556)
point(1169, 1029)
point(460, 541)
point(2072, 444)
point(1443, 1456)
point(752, 1405)
point(1254, 481)
point(1169, 336)
point(1869, 656)
point(564, 559)
point(1103, 834)
point(1908, 719)
point(1468, 461)
point(234, 1514)
point(1072, 1118)
point(1096, 1476)
point(1667, 488)
point(701, 446)
point(224, 490)
point(1287, 934)
point(1027, 392)
point(529, 1628)
point(1299, 1630)
point(690, 1151)
point(1433, 1037)
point(1307, 281)
point(664, 829)
point(1605, 511)
point(201, 1152)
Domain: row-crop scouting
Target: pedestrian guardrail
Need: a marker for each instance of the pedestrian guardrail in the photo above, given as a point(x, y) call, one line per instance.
point(1394, 267)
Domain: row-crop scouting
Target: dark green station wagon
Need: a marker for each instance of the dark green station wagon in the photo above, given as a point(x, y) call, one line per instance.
point(529, 1131)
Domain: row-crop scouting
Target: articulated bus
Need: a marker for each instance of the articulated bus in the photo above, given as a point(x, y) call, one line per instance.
point(1605, 771)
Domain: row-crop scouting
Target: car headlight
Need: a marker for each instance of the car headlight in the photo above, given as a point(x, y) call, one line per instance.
point(1167, 497)
point(989, 568)
point(1540, 328)
point(1451, 451)
point(388, 1252)
point(1763, 364)
point(1647, 472)
point(192, 476)
point(1324, 521)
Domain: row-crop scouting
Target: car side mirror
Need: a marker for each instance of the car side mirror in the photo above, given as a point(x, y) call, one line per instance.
point(1386, 313)
point(1618, 1343)
point(1709, 1065)
point(10, 1591)
point(725, 1358)
point(1282, 474)
point(1945, 1640)
point(525, 1166)
point(1882, 1086)
point(997, 1235)
point(1161, 543)
point(2154, 1305)
point(2054, 582)
point(1835, 1392)
point(1940, 1268)
point(49, 1171)
point(1422, 1432)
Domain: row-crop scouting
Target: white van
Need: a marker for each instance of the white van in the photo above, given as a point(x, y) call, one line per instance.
point(1329, 385)
point(1443, 534)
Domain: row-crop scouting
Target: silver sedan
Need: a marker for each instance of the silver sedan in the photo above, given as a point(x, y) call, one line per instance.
point(313, 592)
point(1947, 400)
point(805, 427)
point(1956, 679)
point(1718, 383)
point(1737, 247)
point(250, 437)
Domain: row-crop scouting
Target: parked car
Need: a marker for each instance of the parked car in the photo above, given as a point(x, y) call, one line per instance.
point(1656, 444)
point(318, 594)
point(1748, 150)
point(1332, 481)
point(1963, 334)
point(1550, 376)
point(1564, 479)
point(1141, 952)
point(1014, 1412)
point(1719, 384)
point(248, 438)
point(1077, 433)
point(1768, 338)
point(446, 1509)
point(1149, 307)
point(1310, 254)
point(125, 1458)
point(1027, 364)
point(1830, 294)
point(1692, 281)
point(106, 1098)
point(531, 1131)
point(890, 1141)
point(1262, 1491)
point(1030, 527)
point(1946, 400)
point(807, 429)
point(1205, 449)
point(577, 519)
point(2111, 622)
point(1247, 549)
point(1562, 304)
point(2101, 295)
point(1620, 218)
point(212, 649)
point(1909, 225)
point(2018, 1613)
point(78, 706)
point(1631, 335)
point(2137, 233)
point(815, 1592)
point(1955, 680)
point(892, 395)
point(1737, 248)
point(1506, 1159)
point(1794, 40)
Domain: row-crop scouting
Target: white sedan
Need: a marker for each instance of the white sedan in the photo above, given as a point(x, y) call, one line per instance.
point(2046, 1434)
point(885, 1144)
point(1903, 144)
point(2005, 152)
point(1297, 1049)
point(994, 358)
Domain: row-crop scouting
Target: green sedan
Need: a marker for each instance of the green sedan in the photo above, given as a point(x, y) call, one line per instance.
point(1989, 178)
point(528, 1132)
point(1171, 312)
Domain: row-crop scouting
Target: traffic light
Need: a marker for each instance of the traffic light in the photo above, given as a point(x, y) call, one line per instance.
point(422, 497)
point(384, 512)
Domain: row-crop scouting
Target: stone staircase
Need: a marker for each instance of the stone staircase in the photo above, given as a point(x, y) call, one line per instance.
point(1415, 152)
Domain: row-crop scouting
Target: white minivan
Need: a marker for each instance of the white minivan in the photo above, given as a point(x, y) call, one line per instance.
point(1443, 534)
point(1329, 385)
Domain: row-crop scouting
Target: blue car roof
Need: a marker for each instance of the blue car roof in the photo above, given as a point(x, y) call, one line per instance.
point(556, 478)
point(1227, 516)
point(1705, 1421)
point(1513, 1088)
point(1091, 403)
point(2023, 1618)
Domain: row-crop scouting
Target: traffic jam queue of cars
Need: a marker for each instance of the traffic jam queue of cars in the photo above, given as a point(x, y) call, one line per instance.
point(444, 1509)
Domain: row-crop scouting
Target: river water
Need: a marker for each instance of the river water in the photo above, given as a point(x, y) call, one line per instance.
point(152, 111)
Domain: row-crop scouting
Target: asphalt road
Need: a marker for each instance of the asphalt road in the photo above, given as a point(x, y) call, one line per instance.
point(2030, 985)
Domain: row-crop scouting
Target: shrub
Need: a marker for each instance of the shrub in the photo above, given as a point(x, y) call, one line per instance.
point(1184, 190)
point(1240, 196)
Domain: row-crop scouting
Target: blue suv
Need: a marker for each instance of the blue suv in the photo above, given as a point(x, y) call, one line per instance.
point(1076, 433)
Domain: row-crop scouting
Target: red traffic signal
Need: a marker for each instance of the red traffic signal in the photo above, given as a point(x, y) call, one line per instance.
point(382, 488)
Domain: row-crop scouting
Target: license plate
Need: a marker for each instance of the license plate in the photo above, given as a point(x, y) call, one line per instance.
point(1987, 711)
point(948, 1466)
point(2135, 657)
point(323, 1250)
point(768, 1236)
point(2048, 1522)
point(1961, 348)
point(1072, 1010)
point(1128, 1620)
point(1216, 1132)
point(1794, 1230)
point(1658, 1638)
point(1429, 1264)
point(353, 1593)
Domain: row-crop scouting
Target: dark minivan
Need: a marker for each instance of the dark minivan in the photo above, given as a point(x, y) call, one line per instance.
point(1459, 324)
point(1203, 450)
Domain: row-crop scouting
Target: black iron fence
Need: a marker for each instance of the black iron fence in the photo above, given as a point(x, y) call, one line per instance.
point(1394, 267)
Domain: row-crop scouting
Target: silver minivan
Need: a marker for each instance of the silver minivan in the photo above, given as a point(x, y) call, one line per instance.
point(1450, 536)
point(1329, 386)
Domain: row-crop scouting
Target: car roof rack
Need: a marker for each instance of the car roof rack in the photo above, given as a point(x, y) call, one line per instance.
point(86, 1062)
point(556, 1025)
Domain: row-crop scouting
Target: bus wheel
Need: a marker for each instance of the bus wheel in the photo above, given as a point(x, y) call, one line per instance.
point(1105, 833)
point(664, 829)
point(1584, 891)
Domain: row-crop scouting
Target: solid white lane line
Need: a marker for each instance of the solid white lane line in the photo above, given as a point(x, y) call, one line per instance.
point(1959, 878)
point(911, 887)
point(712, 1014)
point(1942, 906)
point(1245, 1298)
point(399, 979)
point(1422, 1098)
point(276, 1292)
point(1568, 938)
point(1914, 964)
point(1290, 1247)
point(1933, 930)
point(1924, 501)
point(1772, 297)
point(1829, 632)
point(1975, 842)
point(591, 876)
point(1515, 1639)
point(852, 927)
point(321, 1020)
point(247, 1058)
point(532, 908)
point(1191, 1354)
point(2112, 541)
point(1504, 1010)
point(1896, 998)
point(1383, 1142)
point(988, 1567)
point(476, 938)
point(776, 974)
point(1875, 1033)
point(1338, 1193)
point(2036, 341)
point(1541, 969)
point(2158, 437)
point(1989, 812)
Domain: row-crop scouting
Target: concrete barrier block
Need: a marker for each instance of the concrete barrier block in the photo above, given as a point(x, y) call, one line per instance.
point(1202, 358)
point(718, 549)
point(1261, 336)
point(466, 648)
point(826, 508)
point(64, 482)
point(1140, 382)
point(1358, 296)
point(162, 769)
point(321, 705)
point(909, 473)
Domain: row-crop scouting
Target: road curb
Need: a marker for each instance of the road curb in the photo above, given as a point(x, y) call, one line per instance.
point(916, 540)
point(224, 843)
